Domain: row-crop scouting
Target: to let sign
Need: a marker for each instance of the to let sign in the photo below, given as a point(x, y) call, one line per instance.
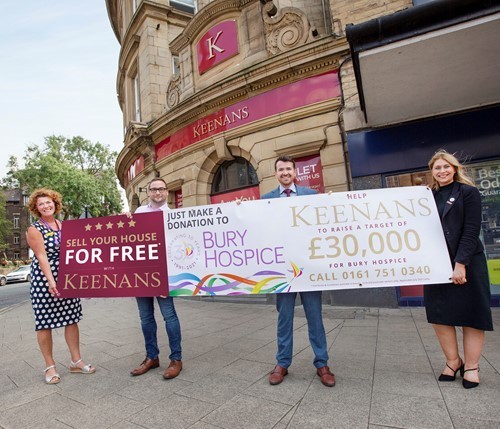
point(217, 45)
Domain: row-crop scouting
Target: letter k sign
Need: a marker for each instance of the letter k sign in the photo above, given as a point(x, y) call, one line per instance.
point(217, 45)
point(212, 45)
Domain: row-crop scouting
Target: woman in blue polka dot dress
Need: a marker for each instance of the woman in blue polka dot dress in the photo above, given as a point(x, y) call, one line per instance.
point(44, 238)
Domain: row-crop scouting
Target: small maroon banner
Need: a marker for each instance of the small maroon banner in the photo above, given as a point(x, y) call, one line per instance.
point(310, 172)
point(217, 45)
point(113, 256)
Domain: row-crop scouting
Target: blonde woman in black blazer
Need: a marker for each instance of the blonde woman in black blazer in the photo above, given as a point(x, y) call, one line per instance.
point(466, 301)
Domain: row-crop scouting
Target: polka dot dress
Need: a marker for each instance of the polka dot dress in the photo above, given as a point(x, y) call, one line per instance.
point(50, 312)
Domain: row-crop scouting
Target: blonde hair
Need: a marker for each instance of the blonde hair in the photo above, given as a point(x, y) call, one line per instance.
point(459, 176)
point(44, 192)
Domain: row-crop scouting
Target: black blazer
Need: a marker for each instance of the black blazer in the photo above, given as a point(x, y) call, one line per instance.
point(461, 221)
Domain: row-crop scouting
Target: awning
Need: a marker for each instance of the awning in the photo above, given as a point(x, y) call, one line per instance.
point(432, 59)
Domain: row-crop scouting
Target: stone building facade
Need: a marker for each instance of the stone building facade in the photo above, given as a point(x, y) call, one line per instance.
point(163, 92)
point(218, 92)
point(212, 91)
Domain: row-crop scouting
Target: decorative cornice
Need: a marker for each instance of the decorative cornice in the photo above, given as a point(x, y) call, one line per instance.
point(112, 9)
point(321, 55)
point(175, 184)
point(173, 91)
point(128, 52)
point(136, 130)
point(285, 28)
point(151, 9)
point(137, 142)
point(208, 14)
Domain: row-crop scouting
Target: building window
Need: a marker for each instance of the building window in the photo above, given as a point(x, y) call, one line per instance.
point(184, 5)
point(16, 219)
point(17, 256)
point(176, 66)
point(137, 103)
point(16, 239)
point(234, 174)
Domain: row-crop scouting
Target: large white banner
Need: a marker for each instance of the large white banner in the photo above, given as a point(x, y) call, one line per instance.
point(348, 240)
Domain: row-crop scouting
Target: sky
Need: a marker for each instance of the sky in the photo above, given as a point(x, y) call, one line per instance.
point(58, 68)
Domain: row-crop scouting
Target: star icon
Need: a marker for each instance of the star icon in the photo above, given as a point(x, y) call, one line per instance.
point(98, 226)
point(131, 223)
point(120, 224)
point(109, 225)
point(88, 227)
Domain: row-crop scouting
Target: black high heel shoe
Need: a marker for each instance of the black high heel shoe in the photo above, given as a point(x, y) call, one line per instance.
point(470, 384)
point(445, 377)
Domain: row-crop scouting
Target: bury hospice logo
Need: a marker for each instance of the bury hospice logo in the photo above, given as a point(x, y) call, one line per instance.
point(184, 251)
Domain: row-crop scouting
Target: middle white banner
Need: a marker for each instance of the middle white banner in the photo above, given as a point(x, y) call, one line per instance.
point(346, 240)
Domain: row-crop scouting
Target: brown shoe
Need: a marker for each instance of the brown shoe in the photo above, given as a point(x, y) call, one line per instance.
point(145, 366)
point(277, 375)
point(173, 369)
point(326, 376)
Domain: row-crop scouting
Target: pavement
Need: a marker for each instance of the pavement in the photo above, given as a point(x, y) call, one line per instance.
point(386, 363)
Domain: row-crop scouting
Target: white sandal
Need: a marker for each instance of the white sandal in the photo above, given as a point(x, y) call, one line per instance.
point(51, 379)
point(87, 369)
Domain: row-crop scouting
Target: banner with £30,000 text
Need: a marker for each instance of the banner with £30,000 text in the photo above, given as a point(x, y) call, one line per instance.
point(347, 240)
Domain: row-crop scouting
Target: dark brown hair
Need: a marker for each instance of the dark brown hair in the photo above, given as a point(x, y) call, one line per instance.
point(284, 158)
point(157, 179)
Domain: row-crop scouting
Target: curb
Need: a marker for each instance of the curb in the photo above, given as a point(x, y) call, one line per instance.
point(12, 307)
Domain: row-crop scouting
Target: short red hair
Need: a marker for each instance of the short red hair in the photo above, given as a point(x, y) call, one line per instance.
point(44, 192)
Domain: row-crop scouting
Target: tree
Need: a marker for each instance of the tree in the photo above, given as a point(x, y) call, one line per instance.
point(82, 171)
point(5, 224)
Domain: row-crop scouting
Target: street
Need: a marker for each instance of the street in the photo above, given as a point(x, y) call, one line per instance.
point(14, 293)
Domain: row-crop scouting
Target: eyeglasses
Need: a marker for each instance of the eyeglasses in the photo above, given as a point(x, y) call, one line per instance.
point(154, 190)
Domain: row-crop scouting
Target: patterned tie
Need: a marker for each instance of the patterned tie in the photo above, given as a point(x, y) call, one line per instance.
point(287, 191)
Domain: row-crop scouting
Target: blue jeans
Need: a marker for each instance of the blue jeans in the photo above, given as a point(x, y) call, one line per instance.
point(148, 323)
point(285, 304)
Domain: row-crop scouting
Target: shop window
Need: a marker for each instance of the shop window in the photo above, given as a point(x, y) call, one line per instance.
point(409, 179)
point(486, 177)
point(234, 174)
point(410, 295)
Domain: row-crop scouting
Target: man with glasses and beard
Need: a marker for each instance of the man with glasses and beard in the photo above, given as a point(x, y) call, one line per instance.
point(158, 193)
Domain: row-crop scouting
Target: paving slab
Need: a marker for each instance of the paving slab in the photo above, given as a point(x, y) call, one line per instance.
point(386, 363)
